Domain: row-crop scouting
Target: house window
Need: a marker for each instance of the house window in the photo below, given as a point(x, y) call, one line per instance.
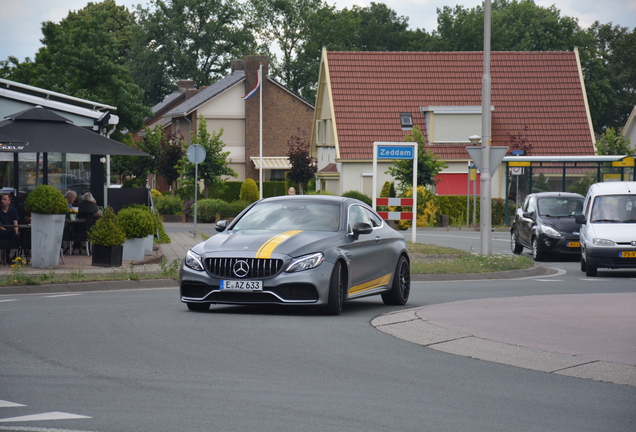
point(323, 131)
point(406, 119)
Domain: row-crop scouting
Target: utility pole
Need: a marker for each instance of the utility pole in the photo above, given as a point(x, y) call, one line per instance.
point(486, 190)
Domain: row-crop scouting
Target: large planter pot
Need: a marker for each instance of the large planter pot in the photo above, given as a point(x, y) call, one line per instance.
point(134, 249)
point(46, 239)
point(148, 243)
point(107, 256)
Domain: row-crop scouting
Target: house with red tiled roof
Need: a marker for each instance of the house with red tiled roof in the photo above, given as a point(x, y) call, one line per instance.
point(363, 97)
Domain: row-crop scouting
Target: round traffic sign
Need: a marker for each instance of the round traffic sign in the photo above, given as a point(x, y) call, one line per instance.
point(196, 153)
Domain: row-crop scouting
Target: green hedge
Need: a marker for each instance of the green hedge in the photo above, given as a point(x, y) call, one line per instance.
point(455, 207)
point(233, 190)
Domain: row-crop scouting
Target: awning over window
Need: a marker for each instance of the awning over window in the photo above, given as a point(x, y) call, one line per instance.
point(271, 162)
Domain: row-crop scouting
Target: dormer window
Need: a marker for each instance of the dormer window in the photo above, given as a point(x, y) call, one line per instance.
point(406, 119)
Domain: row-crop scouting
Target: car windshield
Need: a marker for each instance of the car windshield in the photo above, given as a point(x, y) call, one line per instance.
point(614, 209)
point(291, 214)
point(560, 206)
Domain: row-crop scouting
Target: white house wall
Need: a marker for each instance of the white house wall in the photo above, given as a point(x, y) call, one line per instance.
point(352, 178)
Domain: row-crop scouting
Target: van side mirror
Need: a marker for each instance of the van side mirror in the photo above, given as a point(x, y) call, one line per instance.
point(580, 219)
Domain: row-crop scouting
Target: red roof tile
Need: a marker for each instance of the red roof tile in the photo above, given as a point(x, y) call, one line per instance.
point(540, 90)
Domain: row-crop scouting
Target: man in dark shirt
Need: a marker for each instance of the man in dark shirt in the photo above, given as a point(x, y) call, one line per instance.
point(8, 216)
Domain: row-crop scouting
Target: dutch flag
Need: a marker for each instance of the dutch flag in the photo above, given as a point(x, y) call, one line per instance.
point(258, 84)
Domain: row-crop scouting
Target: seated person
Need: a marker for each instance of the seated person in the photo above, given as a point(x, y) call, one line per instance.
point(87, 206)
point(70, 198)
point(8, 216)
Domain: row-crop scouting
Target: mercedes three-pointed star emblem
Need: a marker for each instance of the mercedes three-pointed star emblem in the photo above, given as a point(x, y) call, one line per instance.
point(241, 268)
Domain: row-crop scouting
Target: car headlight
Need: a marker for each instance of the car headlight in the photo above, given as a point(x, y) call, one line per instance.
point(551, 231)
point(602, 242)
point(305, 262)
point(193, 260)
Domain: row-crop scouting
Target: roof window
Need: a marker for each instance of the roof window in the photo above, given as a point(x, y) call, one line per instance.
point(406, 119)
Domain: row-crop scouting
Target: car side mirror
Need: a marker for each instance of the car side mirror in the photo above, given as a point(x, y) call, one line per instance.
point(221, 225)
point(528, 215)
point(361, 228)
point(580, 219)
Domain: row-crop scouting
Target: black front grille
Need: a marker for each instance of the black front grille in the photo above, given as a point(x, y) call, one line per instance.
point(257, 268)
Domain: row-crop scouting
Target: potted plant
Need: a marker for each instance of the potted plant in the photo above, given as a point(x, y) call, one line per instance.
point(108, 240)
point(48, 209)
point(137, 224)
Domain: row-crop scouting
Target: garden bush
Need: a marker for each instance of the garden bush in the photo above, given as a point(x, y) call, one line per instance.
point(249, 191)
point(231, 210)
point(169, 205)
point(207, 209)
point(358, 195)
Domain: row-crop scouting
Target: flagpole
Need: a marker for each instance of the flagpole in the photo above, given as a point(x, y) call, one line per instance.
point(260, 130)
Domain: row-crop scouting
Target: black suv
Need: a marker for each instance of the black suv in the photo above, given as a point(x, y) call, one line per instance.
point(545, 224)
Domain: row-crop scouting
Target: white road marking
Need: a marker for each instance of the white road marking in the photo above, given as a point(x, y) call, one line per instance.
point(63, 295)
point(7, 404)
point(55, 415)
point(8, 300)
point(549, 280)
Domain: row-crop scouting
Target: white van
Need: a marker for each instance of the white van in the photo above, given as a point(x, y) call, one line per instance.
point(608, 227)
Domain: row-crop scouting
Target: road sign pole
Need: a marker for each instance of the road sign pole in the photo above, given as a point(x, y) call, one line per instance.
point(486, 190)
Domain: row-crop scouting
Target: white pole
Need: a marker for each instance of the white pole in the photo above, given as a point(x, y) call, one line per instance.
point(415, 152)
point(260, 130)
point(486, 193)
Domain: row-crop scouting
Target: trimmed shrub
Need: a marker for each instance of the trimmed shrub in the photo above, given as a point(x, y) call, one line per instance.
point(106, 231)
point(249, 191)
point(45, 199)
point(358, 195)
point(427, 208)
point(136, 222)
point(208, 208)
point(169, 205)
point(231, 210)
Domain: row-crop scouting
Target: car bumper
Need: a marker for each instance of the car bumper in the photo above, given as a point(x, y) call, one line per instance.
point(609, 257)
point(309, 287)
point(560, 245)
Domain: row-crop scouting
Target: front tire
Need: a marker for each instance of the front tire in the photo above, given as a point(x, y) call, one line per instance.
point(515, 246)
point(537, 253)
point(590, 271)
point(401, 288)
point(337, 288)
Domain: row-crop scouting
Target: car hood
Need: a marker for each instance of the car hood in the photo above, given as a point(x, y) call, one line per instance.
point(564, 224)
point(264, 244)
point(617, 232)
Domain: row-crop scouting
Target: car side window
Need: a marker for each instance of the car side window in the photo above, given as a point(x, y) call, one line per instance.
point(374, 220)
point(357, 214)
point(532, 205)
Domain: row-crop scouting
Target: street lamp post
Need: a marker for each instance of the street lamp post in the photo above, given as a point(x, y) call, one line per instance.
point(486, 192)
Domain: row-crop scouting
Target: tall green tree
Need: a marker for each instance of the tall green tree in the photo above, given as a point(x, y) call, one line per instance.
point(84, 56)
point(428, 164)
point(179, 39)
point(517, 25)
point(214, 169)
point(613, 142)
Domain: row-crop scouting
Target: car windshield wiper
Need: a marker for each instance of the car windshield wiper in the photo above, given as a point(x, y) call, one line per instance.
point(606, 220)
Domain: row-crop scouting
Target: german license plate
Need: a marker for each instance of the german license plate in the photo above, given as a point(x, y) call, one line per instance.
point(627, 254)
point(574, 244)
point(242, 285)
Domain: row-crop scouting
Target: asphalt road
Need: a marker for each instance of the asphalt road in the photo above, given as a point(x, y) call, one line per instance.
point(140, 361)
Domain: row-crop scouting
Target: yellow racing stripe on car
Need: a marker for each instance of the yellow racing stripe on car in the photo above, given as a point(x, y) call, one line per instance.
point(268, 247)
point(371, 284)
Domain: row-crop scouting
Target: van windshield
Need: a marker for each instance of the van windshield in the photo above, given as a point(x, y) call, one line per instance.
point(614, 209)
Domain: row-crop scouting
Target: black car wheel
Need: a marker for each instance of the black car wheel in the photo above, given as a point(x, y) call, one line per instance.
point(198, 307)
point(590, 271)
point(401, 288)
point(336, 290)
point(583, 264)
point(515, 246)
point(537, 253)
